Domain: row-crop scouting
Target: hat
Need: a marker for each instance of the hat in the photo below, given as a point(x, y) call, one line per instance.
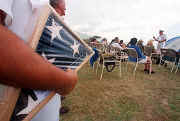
point(116, 38)
point(161, 30)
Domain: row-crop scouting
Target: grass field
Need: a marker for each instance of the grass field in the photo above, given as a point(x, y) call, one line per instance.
point(141, 97)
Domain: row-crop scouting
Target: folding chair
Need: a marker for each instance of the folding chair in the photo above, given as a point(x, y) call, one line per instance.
point(100, 48)
point(110, 56)
point(106, 50)
point(148, 51)
point(168, 53)
point(132, 53)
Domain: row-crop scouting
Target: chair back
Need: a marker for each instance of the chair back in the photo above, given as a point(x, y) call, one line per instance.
point(169, 52)
point(178, 54)
point(148, 50)
point(132, 52)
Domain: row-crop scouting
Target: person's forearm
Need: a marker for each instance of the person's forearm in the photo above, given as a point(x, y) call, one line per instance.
point(20, 66)
point(163, 40)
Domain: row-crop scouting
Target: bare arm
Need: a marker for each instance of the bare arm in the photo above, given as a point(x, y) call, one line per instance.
point(163, 40)
point(155, 38)
point(158, 40)
point(20, 66)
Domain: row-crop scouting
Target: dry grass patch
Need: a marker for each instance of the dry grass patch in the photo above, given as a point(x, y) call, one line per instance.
point(128, 98)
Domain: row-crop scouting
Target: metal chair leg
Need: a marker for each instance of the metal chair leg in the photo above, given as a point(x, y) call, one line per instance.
point(93, 66)
point(160, 61)
point(120, 67)
point(97, 66)
point(174, 64)
point(177, 68)
point(135, 68)
point(102, 71)
point(172, 67)
point(126, 66)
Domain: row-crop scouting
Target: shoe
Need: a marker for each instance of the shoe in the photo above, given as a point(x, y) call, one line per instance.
point(63, 98)
point(64, 110)
point(145, 70)
point(152, 72)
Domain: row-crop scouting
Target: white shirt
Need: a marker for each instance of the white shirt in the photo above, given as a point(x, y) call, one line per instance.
point(117, 45)
point(161, 38)
point(21, 18)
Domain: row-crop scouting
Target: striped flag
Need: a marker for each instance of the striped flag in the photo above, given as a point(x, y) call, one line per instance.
point(60, 47)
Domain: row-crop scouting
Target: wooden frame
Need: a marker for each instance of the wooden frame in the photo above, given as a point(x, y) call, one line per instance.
point(39, 29)
point(33, 43)
point(7, 102)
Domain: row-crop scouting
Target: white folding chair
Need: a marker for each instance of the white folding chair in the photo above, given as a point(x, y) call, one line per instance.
point(110, 56)
point(104, 49)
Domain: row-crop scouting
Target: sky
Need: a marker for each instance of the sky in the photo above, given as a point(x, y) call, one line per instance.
point(124, 18)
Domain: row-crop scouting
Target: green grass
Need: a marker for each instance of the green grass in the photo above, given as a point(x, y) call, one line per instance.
point(141, 97)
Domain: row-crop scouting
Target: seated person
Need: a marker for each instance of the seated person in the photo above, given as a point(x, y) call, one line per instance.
point(104, 41)
point(154, 55)
point(122, 44)
point(140, 45)
point(115, 43)
point(149, 48)
point(141, 58)
point(150, 44)
point(95, 57)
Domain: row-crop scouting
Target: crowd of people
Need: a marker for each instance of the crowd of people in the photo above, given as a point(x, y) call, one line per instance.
point(139, 46)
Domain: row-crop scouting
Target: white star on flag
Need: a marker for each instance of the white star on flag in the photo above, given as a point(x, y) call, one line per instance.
point(75, 48)
point(55, 29)
point(50, 60)
point(31, 105)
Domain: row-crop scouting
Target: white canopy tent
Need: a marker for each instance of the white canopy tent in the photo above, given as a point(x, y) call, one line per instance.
point(173, 43)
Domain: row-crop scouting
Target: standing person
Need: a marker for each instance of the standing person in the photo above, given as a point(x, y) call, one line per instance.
point(161, 39)
point(20, 65)
point(60, 7)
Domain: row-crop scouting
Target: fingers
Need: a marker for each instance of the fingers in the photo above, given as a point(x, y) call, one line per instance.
point(69, 70)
